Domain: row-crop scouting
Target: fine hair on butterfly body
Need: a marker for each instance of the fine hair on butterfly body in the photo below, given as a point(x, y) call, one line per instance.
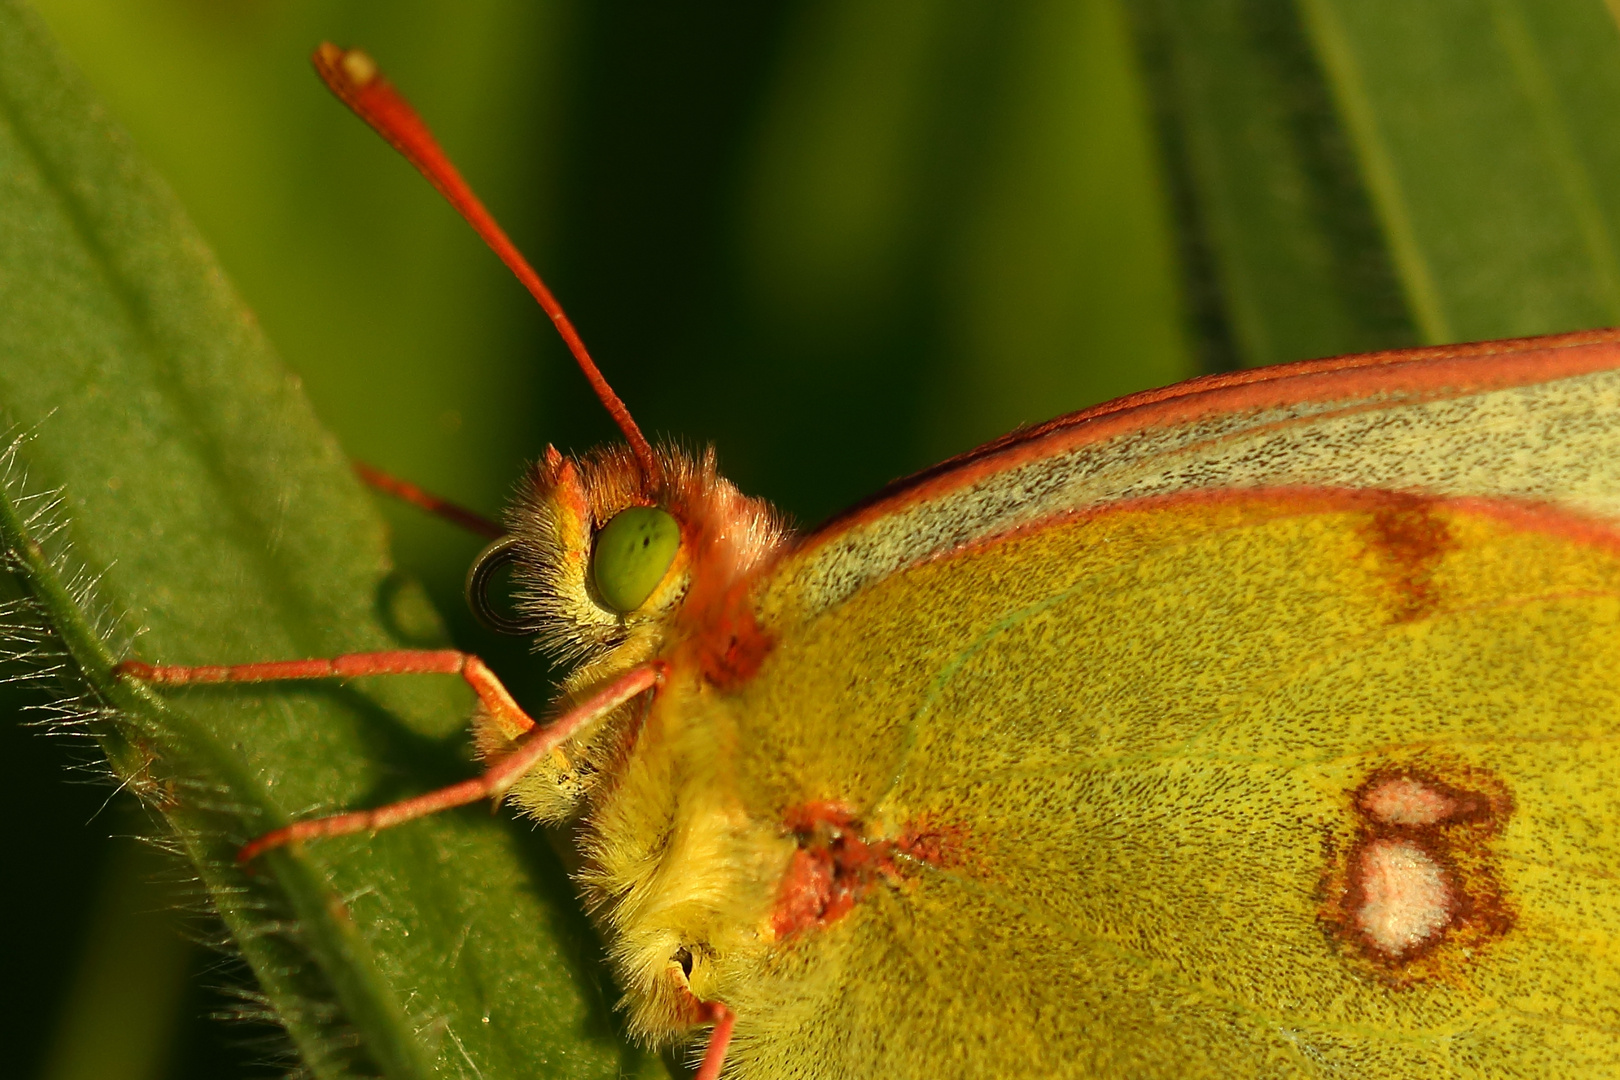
point(1261, 725)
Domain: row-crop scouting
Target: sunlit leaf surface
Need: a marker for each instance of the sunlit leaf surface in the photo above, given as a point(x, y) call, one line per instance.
point(226, 526)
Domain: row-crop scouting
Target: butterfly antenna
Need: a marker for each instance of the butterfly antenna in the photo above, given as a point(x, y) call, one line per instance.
point(353, 76)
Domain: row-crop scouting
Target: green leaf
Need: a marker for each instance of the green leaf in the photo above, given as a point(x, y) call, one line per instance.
point(1282, 252)
point(226, 526)
point(1486, 133)
point(1360, 175)
point(1061, 283)
point(960, 201)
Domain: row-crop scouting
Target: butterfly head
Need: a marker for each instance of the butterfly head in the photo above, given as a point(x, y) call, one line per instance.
point(607, 561)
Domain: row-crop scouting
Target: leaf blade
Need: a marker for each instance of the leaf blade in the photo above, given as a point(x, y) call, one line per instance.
point(226, 521)
point(1491, 166)
point(1283, 255)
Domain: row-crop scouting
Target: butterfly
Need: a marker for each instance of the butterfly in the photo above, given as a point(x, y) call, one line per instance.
point(1260, 725)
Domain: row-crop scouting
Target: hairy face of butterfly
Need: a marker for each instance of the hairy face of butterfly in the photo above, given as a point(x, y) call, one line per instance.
point(611, 569)
point(610, 572)
point(601, 566)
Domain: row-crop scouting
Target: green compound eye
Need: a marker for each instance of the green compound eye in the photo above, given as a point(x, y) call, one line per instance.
point(633, 551)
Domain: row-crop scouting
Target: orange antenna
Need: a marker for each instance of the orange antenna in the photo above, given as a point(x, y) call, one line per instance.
point(405, 491)
point(353, 76)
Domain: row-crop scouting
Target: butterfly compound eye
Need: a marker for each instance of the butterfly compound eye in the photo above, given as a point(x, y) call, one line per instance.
point(633, 552)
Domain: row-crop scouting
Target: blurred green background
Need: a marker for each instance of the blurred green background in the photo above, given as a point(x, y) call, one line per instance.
point(839, 239)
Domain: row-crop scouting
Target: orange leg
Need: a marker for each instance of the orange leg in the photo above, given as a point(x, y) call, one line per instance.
point(714, 1056)
point(534, 745)
point(406, 491)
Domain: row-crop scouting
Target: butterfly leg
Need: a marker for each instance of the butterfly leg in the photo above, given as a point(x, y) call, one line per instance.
point(534, 744)
point(714, 1056)
point(405, 491)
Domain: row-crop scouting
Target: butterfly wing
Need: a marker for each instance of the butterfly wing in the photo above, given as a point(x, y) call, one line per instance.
point(1534, 418)
point(1272, 739)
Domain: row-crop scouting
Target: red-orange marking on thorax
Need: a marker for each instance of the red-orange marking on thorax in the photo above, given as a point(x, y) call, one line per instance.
point(836, 865)
point(734, 648)
point(731, 645)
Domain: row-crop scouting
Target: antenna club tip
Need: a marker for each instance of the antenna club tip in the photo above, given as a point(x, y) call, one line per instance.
point(354, 66)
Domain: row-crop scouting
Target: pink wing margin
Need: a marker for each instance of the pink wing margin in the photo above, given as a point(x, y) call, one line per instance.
point(1529, 419)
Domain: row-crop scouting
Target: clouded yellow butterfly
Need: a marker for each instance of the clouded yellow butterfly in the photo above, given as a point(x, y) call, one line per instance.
point(1256, 726)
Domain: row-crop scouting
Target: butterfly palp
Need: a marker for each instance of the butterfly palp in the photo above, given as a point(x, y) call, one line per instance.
point(498, 554)
point(632, 554)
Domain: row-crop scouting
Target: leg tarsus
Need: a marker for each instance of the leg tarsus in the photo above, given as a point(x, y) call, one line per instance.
point(491, 693)
point(714, 1055)
point(347, 666)
point(500, 776)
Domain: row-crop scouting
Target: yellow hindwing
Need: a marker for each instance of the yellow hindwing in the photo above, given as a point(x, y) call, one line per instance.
point(1288, 784)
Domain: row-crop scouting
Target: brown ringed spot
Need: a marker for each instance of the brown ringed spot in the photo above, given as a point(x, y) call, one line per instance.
point(1417, 892)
